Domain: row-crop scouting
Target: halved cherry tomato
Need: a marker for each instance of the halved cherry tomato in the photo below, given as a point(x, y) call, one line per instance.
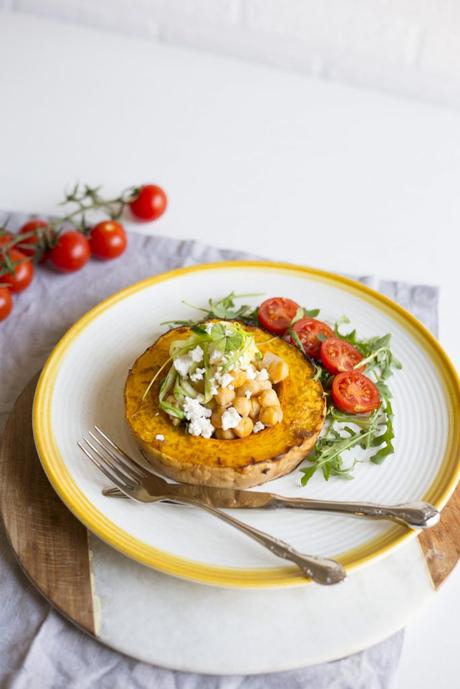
point(311, 333)
point(150, 202)
point(108, 240)
point(71, 252)
point(354, 393)
point(338, 355)
point(6, 303)
point(276, 314)
point(22, 271)
point(36, 245)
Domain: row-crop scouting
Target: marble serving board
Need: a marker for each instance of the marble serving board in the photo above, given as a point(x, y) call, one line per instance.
point(171, 622)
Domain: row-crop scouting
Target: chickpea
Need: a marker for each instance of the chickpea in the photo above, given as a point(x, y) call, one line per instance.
point(224, 397)
point(251, 386)
point(242, 406)
point(264, 385)
point(224, 435)
point(278, 370)
point(255, 408)
point(244, 427)
point(268, 398)
point(216, 418)
point(239, 378)
point(270, 416)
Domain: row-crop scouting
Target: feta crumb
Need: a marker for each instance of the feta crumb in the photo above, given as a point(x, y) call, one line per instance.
point(197, 375)
point(225, 380)
point(258, 426)
point(213, 386)
point(194, 410)
point(197, 354)
point(262, 374)
point(250, 372)
point(208, 327)
point(216, 357)
point(201, 426)
point(182, 364)
point(160, 437)
point(230, 419)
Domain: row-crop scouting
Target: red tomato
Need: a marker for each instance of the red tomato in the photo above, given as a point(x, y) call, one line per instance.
point(150, 203)
point(5, 238)
point(71, 252)
point(21, 273)
point(311, 332)
point(276, 314)
point(6, 303)
point(108, 240)
point(36, 244)
point(354, 393)
point(338, 355)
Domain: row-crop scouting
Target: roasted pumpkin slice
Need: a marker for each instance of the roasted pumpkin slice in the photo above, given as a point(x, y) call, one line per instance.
point(239, 463)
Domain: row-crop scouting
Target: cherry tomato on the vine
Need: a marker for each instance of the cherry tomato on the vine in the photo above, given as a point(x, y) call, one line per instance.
point(35, 245)
point(5, 238)
point(20, 271)
point(108, 240)
point(6, 302)
point(338, 355)
point(71, 252)
point(150, 203)
point(310, 333)
point(275, 314)
point(354, 393)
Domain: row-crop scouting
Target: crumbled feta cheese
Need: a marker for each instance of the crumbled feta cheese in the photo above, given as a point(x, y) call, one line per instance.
point(201, 426)
point(262, 374)
point(230, 419)
point(197, 375)
point(197, 354)
point(194, 410)
point(216, 357)
point(250, 372)
point(213, 386)
point(198, 417)
point(225, 380)
point(182, 364)
point(160, 437)
point(258, 426)
point(208, 327)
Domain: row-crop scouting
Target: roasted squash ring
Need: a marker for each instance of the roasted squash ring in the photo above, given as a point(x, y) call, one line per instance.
point(239, 463)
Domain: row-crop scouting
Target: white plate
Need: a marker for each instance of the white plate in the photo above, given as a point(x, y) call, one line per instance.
point(82, 385)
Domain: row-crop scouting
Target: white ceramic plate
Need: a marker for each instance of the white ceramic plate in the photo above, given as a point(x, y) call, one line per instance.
point(82, 385)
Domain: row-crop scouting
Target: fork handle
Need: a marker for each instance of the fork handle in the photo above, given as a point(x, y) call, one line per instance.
point(320, 569)
point(415, 515)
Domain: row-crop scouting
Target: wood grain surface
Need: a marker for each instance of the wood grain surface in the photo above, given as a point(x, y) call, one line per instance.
point(52, 546)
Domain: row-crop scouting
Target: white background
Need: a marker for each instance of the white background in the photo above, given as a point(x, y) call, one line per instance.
point(254, 158)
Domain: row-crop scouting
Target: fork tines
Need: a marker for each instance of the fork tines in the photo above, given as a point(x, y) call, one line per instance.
point(112, 461)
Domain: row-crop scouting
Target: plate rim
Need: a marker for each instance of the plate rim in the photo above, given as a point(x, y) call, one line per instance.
point(445, 480)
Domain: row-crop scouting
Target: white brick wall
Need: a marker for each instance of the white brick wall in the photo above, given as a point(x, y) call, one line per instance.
point(407, 46)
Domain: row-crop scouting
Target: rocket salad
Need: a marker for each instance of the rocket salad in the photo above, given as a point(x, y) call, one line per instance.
point(353, 371)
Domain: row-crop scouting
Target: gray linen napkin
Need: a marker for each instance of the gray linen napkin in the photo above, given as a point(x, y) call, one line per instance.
point(40, 649)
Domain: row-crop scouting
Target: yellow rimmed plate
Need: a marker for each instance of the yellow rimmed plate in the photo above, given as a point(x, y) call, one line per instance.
point(82, 385)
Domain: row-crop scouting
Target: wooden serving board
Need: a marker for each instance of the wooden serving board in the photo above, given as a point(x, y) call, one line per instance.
point(52, 546)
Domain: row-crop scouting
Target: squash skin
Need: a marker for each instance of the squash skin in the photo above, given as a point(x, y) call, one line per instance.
point(238, 463)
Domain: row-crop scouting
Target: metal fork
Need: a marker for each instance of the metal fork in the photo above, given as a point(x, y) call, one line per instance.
point(132, 479)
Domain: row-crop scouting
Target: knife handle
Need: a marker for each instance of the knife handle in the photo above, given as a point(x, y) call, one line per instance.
point(320, 569)
point(416, 515)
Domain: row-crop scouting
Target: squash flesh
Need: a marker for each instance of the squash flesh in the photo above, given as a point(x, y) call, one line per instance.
point(301, 398)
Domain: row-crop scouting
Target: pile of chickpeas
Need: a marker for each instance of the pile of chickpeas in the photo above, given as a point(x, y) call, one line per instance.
point(255, 400)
